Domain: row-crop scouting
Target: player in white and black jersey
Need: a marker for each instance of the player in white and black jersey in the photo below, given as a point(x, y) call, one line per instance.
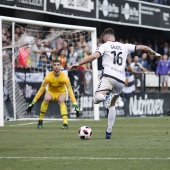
point(114, 55)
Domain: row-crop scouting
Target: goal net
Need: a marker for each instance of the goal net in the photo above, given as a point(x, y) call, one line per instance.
point(27, 48)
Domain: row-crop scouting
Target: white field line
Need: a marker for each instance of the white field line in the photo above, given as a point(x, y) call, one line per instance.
point(46, 121)
point(86, 158)
point(25, 124)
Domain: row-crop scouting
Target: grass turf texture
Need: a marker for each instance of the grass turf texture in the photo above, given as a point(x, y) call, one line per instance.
point(136, 143)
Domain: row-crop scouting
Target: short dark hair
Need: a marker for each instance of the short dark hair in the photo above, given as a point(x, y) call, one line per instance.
point(61, 50)
point(108, 31)
point(57, 61)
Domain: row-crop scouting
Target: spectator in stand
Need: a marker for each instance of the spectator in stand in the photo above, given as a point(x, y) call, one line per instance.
point(8, 34)
point(82, 38)
point(36, 52)
point(166, 47)
point(99, 42)
point(163, 69)
point(41, 35)
point(9, 41)
point(23, 57)
point(4, 35)
point(22, 31)
point(79, 50)
point(18, 31)
point(137, 69)
point(63, 59)
point(84, 44)
point(128, 60)
point(155, 46)
point(86, 53)
point(51, 35)
point(29, 39)
point(47, 54)
point(59, 42)
point(16, 37)
point(144, 60)
point(69, 39)
point(37, 36)
point(162, 2)
point(48, 50)
point(161, 48)
point(152, 63)
point(4, 52)
point(129, 82)
point(8, 37)
point(72, 56)
point(169, 53)
point(65, 47)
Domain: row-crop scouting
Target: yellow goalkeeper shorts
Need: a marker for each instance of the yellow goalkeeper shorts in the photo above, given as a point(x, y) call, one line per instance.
point(56, 95)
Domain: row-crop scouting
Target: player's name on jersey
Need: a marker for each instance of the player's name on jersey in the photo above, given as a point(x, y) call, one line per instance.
point(116, 47)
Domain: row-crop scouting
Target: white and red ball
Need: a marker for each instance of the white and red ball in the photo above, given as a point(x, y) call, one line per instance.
point(85, 132)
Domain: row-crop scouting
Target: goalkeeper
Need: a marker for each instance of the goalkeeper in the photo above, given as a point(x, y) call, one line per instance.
point(55, 83)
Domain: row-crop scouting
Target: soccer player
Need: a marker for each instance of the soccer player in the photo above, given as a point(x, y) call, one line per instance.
point(56, 82)
point(112, 80)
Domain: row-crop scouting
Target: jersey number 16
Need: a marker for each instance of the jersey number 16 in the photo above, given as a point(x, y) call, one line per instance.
point(117, 59)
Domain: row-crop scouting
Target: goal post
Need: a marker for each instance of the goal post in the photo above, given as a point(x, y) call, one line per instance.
point(36, 28)
point(95, 75)
point(1, 81)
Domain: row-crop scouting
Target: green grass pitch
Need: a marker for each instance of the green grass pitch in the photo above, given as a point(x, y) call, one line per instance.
point(136, 144)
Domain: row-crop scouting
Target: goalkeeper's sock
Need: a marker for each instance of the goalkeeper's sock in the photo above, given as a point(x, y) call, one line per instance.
point(63, 110)
point(111, 118)
point(43, 110)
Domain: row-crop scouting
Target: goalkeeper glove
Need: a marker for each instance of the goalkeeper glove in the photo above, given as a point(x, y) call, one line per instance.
point(30, 106)
point(77, 110)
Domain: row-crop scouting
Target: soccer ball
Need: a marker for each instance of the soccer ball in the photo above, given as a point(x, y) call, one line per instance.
point(85, 132)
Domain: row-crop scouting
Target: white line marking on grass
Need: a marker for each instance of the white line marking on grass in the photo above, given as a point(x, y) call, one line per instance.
point(24, 124)
point(56, 119)
point(87, 158)
point(46, 121)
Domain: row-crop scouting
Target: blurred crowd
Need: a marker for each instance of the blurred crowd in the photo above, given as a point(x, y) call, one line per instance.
point(142, 63)
point(162, 2)
point(37, 49)
point(146, 61)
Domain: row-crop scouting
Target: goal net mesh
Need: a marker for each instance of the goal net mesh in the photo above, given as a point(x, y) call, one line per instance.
point(27, 52)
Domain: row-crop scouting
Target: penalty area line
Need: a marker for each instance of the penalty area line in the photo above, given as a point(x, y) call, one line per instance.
point(25, 124)
point(45, 121)
point(87, 158)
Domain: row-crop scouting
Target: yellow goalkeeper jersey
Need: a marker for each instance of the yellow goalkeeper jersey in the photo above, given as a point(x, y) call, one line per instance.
point(56, 85)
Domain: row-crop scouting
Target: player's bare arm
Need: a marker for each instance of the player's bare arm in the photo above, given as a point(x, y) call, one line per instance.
point(148, 50)
point(85, 60)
